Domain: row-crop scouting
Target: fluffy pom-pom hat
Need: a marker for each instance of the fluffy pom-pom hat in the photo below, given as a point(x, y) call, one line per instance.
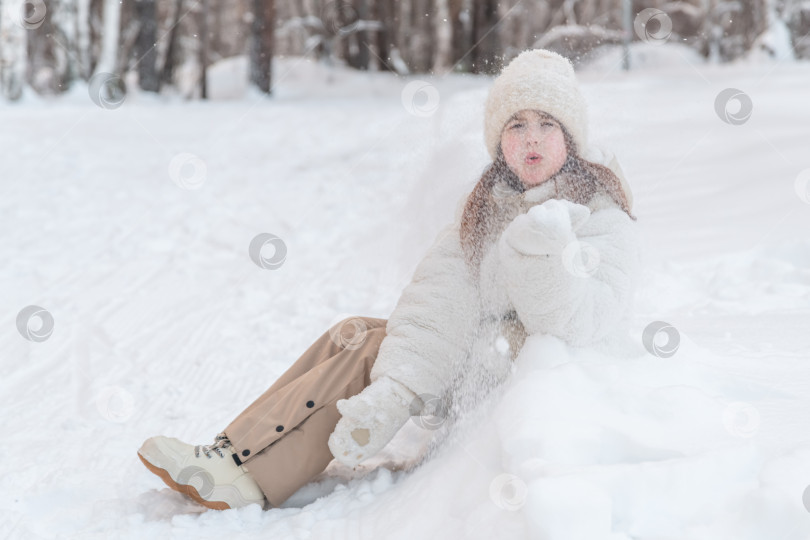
point(543, 80)
point(536, 79)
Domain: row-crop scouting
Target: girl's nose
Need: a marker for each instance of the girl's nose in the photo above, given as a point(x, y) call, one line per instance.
point(533, 135)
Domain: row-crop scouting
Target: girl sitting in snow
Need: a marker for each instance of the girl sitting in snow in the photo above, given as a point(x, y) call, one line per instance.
point(509, 266)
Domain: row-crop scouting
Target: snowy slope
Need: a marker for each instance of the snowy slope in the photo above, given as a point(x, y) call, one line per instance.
point(164, 325)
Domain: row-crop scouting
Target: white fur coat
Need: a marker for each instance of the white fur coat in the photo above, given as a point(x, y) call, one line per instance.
point(437, 324)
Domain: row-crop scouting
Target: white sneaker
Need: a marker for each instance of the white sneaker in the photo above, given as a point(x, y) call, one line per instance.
point(208, 474)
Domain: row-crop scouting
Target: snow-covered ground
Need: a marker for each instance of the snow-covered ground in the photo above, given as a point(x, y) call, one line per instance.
point(131, 228)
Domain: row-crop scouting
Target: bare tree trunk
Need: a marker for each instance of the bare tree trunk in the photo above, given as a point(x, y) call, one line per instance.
point(371, 42)
point(295, 42)
point(385, 37)
point(420, 38)
point(130, 30)
point(744, 26)
point(84, 51)
point(517, 21)
point(203, 49)
point(49, 66)
point(361, 37)
point(796, 15)
point(261, 49)
point(556, 15)
point(444, 38)
point(167, 73)
point(13, 54)
point(343, 46)
point(63, 28)
point(404, 31)
point(145, 46)
point(96, 33)
point(485, 53)
point(463, 34)
point(111, 31)
point(215, 38)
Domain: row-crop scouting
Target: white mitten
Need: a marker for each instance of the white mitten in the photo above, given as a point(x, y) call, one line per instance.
point(546, 228)
point(371, 419)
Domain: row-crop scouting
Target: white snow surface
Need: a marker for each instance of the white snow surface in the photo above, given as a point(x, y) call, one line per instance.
point(164, 325)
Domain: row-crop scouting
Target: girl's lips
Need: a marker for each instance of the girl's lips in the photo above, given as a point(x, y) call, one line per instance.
point(532, 158)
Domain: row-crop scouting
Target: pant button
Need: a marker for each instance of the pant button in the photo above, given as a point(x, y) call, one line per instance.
point(246, 453)
point(279, 428)
point(310, 404)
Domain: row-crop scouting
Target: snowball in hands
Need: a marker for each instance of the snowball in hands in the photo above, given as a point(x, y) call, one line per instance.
point(370, 419)
point(546, 228)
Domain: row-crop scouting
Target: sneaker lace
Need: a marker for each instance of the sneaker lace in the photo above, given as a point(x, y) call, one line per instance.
point(221, 441)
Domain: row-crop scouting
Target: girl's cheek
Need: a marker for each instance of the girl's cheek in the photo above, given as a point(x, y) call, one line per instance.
point(508, 145)
point(558, 145)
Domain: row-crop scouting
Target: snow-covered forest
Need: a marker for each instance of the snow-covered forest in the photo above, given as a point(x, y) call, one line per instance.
point(167, 45)
point(148, 144)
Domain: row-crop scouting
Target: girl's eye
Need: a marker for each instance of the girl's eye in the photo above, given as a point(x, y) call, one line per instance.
point(550, 124)
point(517, 125)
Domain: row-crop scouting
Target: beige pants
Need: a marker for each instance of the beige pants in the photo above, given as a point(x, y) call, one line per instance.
point(281, 438)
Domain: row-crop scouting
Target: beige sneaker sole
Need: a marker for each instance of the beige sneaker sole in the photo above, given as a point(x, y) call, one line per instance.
point(189, 491)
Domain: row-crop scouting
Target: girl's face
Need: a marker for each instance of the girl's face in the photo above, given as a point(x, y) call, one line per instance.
point(534, 146)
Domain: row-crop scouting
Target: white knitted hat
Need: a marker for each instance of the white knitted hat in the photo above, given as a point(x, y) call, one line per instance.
point(536, 79)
